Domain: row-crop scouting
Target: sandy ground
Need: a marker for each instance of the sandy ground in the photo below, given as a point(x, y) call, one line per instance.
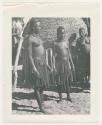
point(24, 102)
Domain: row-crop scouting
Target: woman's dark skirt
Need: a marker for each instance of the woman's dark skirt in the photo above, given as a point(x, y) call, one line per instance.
point(64, 75)
point(43, 80)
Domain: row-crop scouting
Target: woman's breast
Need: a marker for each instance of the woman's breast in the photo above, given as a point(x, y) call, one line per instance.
point(38, 51)
point(62, 52)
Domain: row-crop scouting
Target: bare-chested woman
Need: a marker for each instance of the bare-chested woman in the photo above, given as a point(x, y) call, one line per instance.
point(63, 62)
point(36, 53)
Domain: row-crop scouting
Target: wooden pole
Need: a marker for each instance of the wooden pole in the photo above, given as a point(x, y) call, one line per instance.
point(16, 63)
point(17, 59)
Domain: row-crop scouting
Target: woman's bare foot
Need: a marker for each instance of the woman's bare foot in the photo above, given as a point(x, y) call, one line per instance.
point(69, 98)
point(43, 111)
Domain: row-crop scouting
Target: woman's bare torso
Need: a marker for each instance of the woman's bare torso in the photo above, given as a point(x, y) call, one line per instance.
point(38, 51)
point(62, 63)
point(61, 50)
point(37, 47)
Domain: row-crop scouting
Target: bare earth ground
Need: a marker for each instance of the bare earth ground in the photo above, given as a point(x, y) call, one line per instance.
point(24, 102)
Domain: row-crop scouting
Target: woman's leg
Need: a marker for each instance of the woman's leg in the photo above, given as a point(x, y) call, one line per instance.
point(41, 94)
point(38, 92)
point(68, 87)
point(39, 100)
point(58, 80)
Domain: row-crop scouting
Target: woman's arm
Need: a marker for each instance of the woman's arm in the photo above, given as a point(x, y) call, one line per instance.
point(70, 58)
point(72, 66)
point(50, 46)
point(31, 58)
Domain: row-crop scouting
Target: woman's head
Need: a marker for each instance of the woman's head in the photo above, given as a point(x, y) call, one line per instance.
point(60, 32)
point(35, 26)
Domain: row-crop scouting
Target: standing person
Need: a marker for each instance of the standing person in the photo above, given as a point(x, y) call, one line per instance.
point(63, 63)
point(83, 49)
point(36, 53)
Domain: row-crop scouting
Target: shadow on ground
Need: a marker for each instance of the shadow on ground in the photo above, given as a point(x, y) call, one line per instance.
point(26, 108)
point(30, 96)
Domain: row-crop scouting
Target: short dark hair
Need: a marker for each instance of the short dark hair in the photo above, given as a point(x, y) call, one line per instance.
point(33, 21)
point(28, 28)
point(60, 28)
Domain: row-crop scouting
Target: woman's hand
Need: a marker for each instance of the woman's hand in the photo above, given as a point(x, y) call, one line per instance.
point(36, 73)
point(73, 67)
point(54, 70)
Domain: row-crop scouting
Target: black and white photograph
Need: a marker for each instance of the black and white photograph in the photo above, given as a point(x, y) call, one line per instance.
point(51, 65)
